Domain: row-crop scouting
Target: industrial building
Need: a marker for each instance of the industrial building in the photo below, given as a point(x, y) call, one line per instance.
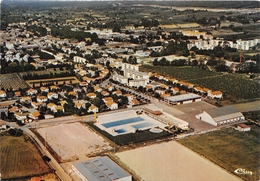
point(183, 99)
point(100, 169)
point(220, 116)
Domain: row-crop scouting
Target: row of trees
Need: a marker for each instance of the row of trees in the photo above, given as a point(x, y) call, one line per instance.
point(130, 60)
point(36, 76)
point(164, 62)
point(178, 48)
point(65, 32)
point(37, 30)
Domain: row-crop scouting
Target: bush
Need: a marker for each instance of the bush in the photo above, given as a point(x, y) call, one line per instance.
point(12, 132)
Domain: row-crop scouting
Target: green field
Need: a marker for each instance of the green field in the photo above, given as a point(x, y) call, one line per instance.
point(20, 158)
point(233, 86)
point(228, 148)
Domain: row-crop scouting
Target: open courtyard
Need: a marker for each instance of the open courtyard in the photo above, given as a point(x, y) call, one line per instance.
point(172, 161)
point(73, 141)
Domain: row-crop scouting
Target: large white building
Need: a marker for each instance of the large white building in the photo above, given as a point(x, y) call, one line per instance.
point(78, 59)
point(209, 44)
point(100, 169)
point(183, 99)
point(132, 77)
point(220, 116)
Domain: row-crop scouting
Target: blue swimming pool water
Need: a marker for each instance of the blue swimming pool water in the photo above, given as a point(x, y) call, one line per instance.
point(120, 131)
point(122, 122)
point(142, 125)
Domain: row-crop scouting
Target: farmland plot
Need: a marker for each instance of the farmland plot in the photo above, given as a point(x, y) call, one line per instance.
point(20, 158)
point(12, 81)
point(234, 86)
point(236, 150)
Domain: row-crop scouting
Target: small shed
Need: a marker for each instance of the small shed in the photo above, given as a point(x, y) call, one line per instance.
point(243, 127)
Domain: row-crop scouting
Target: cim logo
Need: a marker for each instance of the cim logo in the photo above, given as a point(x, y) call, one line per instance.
point(243, 171)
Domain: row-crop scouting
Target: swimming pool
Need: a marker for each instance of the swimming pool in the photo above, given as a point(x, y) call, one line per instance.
point(122, 122)
point(143, 125)
point(119, 131)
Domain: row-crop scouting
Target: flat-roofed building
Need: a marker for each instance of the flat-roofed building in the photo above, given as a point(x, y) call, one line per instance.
point(183, 99)
point(100, 169)
point(220, 116)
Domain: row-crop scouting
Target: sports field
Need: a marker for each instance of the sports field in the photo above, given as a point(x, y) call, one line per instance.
point(73, 141)
point(20, 158)
point(229, 148)
point(172, 161)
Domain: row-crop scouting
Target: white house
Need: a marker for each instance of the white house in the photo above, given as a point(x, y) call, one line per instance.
point(215, 94)
point(21, 116)
point(25, 99)
point(51, 106)
point(44, 89)
point(105, 93)
point(109, 87)
point(2, 94)
point(175, 90)
point(2, 125)
point(129, 97)
point(35, 105)
point(31, 91)
point(107, 99)
point(93, 108)
point(34, 115)
point(243, 127)
point(52, 95)
point(58, 108)
point(91, 95)
point(117, 92)
point(42, 98)
point(112, 105)
point(97, 89)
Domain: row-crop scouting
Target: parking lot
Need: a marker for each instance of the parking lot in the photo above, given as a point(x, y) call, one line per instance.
point(187, 113)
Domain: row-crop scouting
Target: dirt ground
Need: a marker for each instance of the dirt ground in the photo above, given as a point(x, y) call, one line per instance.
point(73, 141)
point(172, 161)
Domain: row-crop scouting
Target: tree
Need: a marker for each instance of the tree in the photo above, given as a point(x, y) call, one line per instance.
point(97, 101)
point(141, 89)
point(19, 132)
point(194, 63)
point(12, 132)
point(155, 62)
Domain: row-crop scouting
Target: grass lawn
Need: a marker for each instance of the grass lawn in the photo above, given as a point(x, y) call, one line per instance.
point(228, 148)
point(20, 158)
point(233, 86)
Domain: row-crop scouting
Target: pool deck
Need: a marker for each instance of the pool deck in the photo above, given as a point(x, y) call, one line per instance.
point(126, 122)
